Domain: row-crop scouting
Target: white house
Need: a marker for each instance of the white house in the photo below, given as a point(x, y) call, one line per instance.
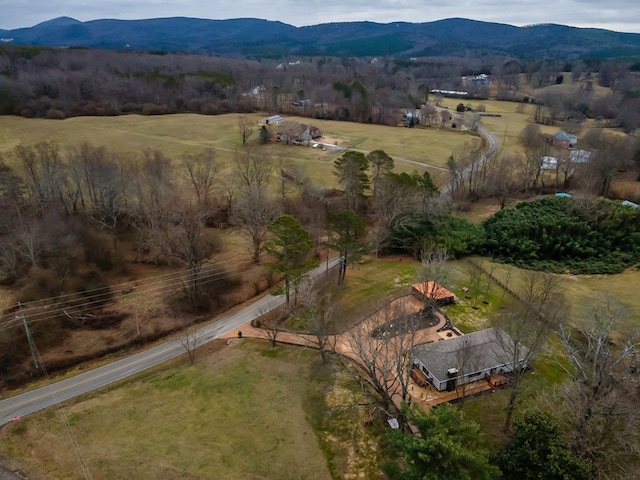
point(468, 358)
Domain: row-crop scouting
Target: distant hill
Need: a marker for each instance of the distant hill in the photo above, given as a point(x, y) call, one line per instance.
point(263, 38)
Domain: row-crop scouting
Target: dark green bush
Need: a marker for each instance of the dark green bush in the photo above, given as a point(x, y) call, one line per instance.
point(566, 235)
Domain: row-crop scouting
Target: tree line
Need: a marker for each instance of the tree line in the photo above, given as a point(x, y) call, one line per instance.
point(59, 83)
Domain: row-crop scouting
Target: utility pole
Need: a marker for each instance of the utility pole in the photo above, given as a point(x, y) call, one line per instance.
point(29, 339)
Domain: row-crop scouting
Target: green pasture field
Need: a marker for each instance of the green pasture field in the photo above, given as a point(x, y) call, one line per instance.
point(177, 134)
point(584, 291)
point(235, 413)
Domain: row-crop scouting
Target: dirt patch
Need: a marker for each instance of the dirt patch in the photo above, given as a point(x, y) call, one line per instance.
point(406, 323)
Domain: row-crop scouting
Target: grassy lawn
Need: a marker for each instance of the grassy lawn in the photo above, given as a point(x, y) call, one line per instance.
point(369, 284)
point(376, 280)
point(233, 414)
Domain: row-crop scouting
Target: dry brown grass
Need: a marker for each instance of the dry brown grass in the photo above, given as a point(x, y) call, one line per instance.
point(188, 133)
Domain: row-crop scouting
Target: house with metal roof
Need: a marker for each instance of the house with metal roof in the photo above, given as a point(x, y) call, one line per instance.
point(456, 361)
point(564, 140)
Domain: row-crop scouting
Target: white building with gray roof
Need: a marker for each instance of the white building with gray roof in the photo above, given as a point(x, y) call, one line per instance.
point(468, 358)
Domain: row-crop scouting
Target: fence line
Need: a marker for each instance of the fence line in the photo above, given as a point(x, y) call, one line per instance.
point(503, 285)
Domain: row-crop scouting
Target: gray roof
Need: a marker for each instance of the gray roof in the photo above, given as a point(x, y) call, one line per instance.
point(469, 353)
point(564, 136)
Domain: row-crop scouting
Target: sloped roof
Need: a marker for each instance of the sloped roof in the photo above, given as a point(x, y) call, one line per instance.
point(433, 290)
point(469, 353)
point(565, 137)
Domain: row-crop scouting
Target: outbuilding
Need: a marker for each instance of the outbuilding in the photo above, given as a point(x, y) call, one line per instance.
point(433, 292)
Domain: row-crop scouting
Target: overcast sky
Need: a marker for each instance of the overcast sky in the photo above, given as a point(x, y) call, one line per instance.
point(619, 15)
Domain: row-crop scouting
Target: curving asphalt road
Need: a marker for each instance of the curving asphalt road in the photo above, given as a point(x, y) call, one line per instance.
point(44, 397)
point(493, 149)
point(41, 398)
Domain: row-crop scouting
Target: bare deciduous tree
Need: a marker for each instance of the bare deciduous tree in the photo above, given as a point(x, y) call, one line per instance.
point(601, 395)
point(252, 171)
point(42, 169)
point(318, 317)
point(202, 170)
point(189, 340)
point(152, 201)
point(245, 127)
point(381, 355)
point(271, 323)
point(189, 242)
point(528, 323)
point(253, 215)
point(433, 268)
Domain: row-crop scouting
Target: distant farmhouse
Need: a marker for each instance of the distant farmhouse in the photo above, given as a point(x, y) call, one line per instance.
point(579, 156)
point(290, 131)
point(456, 361)
point(564, 140)
point(482, 80)
point(411, 117)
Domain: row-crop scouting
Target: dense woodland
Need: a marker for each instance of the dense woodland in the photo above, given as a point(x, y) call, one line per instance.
point(73, 218)
point(59, 83)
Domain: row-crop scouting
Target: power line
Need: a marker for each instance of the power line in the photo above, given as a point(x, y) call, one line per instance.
point(37, 313)
point(76, 447)
point(132, 282)
point(45, 312)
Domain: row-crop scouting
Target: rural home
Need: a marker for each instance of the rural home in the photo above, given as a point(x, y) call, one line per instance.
point(411, 117)
point(564, 140)
point(549, 163)
point(579, 156)
point(449, 363)
point(297, 133)
point(477, 80)
point(432, 291)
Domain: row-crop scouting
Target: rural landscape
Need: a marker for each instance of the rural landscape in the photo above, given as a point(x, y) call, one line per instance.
point(356, 259)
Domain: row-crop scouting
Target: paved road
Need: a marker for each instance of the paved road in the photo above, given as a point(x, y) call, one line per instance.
point(48, 396)
point(493, 149)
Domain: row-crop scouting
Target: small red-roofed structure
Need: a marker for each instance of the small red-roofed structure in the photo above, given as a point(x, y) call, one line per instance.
point(432, 291)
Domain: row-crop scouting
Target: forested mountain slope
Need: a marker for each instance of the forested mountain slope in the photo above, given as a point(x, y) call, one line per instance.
point(263, 38)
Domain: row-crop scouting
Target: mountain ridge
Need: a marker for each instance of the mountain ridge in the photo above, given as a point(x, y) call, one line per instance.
point(265, 38)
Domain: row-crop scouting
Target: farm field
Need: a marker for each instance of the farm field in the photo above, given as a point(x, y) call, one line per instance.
point(189, 133)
